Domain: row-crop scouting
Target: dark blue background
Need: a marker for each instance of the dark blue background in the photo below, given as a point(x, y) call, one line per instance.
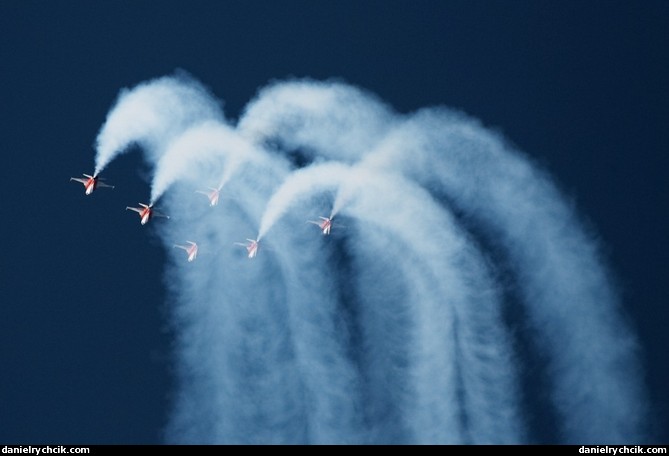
point(84, 344)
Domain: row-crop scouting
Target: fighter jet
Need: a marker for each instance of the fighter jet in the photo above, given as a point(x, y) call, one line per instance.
point(91, 182)
point(191, 249)
point(212, 194)
point(251, 247)
point(325, 224)
point(146, 212)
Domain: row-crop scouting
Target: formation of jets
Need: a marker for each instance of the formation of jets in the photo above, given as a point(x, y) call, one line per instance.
point(147, 212)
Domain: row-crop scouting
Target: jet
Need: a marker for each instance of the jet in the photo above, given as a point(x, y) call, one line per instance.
point(146, 212)
point(325, 224)
point(251, 247)
point(191, 249)
point(213, 194)
point(91, 182)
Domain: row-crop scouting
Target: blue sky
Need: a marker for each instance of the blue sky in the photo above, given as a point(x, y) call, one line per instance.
point(84, 338)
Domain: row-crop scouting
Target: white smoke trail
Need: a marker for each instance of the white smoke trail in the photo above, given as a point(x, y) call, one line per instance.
point(503, 192)
point(208, 154)
point(303, 183)
point(391, 330)
point(237, 379)
point(569, 299)
point(304, 114)
point(152, 114)
point(452, 300)
point(494, 415)
point(331, 387)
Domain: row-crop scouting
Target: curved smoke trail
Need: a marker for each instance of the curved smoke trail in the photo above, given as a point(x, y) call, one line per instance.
point(303, 114)
point(209, 153)
point(402, 325)
point(566, 294)
point(153, 114)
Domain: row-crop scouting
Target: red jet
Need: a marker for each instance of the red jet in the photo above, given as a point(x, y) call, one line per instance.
point(213, 195)
point(146, 212)
point(325, 224)
point(251, 247)
point(191, 249)
point(91, 182)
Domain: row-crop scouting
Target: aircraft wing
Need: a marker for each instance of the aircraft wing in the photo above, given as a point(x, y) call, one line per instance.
point(136, 209)
point(79, 179)
point(155, 213)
